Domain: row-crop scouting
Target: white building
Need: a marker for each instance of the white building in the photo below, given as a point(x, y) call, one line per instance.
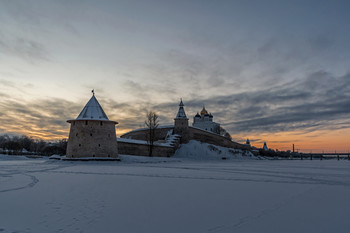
point(205, 121)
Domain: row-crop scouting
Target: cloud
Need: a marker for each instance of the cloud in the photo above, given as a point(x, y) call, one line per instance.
point(23, 48)
point(41, 118)
point(320, 101)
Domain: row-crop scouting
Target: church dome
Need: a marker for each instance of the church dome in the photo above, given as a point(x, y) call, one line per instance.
point(197, 115)
point(203, 112)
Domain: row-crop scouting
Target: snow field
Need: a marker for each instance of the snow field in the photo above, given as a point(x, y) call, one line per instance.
point(174, 195)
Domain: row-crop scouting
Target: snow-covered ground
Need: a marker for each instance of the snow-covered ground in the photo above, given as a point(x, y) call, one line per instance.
point(161, 195)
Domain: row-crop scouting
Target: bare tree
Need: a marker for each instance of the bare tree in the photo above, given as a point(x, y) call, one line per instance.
point(151, 123)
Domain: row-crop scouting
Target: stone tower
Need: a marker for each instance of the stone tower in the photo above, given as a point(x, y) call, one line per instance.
point(92, 134)
point(181, 124)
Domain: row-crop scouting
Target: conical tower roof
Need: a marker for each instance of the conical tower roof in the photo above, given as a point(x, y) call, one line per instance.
point(92, 111)
point(181, 113)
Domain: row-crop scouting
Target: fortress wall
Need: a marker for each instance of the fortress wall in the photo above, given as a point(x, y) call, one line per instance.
point(211, 138)
point(92, 138)
point(141, 134)
point(129, 148)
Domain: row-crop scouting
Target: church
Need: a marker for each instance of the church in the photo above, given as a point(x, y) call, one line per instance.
point(205, 121)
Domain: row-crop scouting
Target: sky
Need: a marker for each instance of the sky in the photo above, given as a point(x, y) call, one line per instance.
point(274, 71)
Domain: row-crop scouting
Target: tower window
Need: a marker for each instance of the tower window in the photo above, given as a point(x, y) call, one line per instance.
point(91, 134)
point(99, 145)
point(86, 122)
point(101, 123)
point(79, 145)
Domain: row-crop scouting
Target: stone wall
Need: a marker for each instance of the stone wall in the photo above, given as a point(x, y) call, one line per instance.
point(212, 138)
point(92, 138)
point(141, 134)
point(129, 148)
point(190, 133)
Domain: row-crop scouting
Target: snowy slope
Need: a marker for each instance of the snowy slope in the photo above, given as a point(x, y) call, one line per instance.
point(203, 151)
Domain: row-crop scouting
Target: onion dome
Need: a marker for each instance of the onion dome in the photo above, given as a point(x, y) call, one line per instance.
point(211, 116)
point(197, 115)
point(203, 112)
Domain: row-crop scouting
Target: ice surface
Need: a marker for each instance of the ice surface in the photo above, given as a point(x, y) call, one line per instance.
point(160, 195)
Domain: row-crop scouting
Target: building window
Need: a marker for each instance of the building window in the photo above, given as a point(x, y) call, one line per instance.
point(101, 123)
point(86, 122)
point(93, 155)
point(99, 145)
point(79, 145)
point(109, 135)
point(73, 122)
point(76, 134)
point(91, 134)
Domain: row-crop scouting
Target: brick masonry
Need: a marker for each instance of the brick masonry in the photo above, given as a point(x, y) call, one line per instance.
point(187, 133)
point(92, 138)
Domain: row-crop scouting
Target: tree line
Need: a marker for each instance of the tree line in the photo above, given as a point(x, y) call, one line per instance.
point(24, 145)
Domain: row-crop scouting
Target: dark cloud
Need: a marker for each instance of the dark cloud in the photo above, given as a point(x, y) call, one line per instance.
point(41, 118)
point(320, 101)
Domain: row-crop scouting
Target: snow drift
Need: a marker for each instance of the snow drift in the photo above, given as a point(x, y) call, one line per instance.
point(203, 151)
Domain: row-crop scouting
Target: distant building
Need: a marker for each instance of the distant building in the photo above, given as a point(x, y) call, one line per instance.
point(247, 142)
point(204, 120)
point(92, 134)
point(265, 147)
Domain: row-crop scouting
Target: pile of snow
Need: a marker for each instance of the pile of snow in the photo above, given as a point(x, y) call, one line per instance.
point(203, 151)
